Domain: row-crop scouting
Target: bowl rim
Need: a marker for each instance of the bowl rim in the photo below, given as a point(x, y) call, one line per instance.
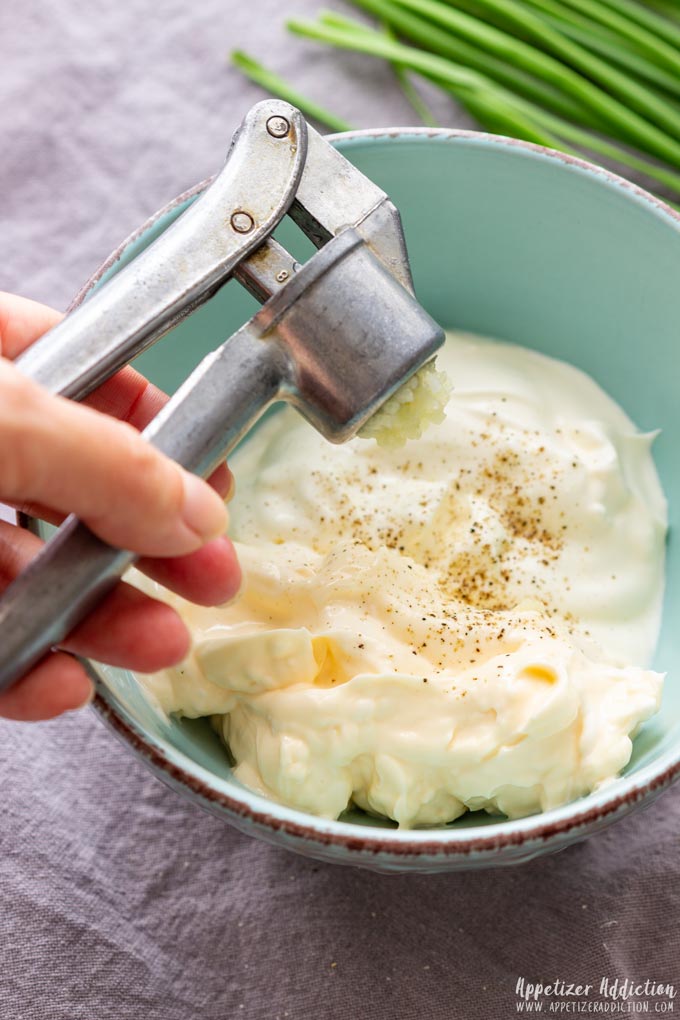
point(564, 824)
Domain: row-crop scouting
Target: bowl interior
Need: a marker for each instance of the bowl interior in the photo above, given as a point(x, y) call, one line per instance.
point(516, 244)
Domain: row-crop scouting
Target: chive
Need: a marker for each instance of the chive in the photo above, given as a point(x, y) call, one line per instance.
point(332, 18)
point(376, 44)
point(412, 96)
point(525, 22)
point(573, 75)
point(596, 37)
point(278, 87)
point(501, 119)
point(607, 45)
point(664, 21)
point(588, 140)
point(643, 39)
point(444, 44)
point(562, 129)
point(629, 124)
point(568, 17)
point(410, 92)
point(493, 107)
point(466, 84)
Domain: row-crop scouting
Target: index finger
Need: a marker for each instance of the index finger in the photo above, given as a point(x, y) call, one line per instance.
point(126, 395)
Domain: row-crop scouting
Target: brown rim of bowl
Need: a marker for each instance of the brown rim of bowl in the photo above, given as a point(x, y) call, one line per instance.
point(356, 841)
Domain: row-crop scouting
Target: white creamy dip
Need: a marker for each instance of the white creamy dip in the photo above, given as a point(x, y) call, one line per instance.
point(463, 623)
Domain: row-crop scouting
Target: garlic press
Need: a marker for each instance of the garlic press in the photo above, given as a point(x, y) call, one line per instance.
point(335, 336)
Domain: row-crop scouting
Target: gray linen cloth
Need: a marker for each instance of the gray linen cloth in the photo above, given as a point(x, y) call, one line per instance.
point(117, 897)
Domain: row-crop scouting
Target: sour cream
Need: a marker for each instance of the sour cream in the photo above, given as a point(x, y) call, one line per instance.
point(460, 624)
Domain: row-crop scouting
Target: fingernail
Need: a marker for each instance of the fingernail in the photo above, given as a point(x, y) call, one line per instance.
point(222, 481)
point(233, 574)
point(231, 491)
point(86, 701)
point(203, 511)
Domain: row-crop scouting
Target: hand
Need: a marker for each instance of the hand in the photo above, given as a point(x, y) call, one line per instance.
point(60, 457)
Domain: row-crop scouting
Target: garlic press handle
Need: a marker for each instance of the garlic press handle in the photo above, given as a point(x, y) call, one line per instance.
point(198, 427)
point(186, 264)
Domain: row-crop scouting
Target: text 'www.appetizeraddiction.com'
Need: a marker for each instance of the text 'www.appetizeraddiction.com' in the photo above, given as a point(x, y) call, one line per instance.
point(611, 997)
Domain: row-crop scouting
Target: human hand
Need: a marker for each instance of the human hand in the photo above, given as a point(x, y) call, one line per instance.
point(59, 457)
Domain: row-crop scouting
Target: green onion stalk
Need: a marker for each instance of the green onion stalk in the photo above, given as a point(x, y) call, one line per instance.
point(593, 76)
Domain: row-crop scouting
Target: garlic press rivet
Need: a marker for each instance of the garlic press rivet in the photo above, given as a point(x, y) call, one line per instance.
point(242, 222)
point(283, 275)
point(278, 127)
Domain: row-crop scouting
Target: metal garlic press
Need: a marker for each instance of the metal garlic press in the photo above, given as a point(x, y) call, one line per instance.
point(335, 337)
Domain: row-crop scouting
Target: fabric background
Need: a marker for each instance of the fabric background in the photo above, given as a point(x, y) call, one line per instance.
point(117, 898)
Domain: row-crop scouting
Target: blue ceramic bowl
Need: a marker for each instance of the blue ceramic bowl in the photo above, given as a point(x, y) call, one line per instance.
point(513, 241)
